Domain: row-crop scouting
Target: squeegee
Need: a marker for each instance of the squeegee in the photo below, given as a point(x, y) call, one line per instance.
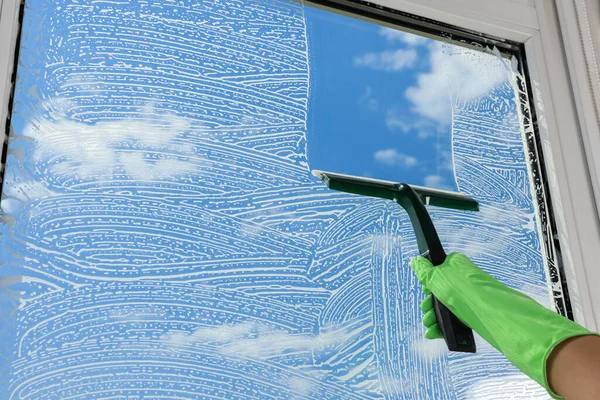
point(413, 199)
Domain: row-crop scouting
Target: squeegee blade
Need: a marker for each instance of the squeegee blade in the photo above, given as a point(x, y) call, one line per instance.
point(389, 190)
point(446, 199)
point(358, 184)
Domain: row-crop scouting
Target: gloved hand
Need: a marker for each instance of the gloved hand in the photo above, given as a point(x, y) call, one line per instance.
point(515, 324)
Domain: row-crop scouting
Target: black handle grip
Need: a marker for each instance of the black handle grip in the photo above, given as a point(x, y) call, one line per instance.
point(457, 335)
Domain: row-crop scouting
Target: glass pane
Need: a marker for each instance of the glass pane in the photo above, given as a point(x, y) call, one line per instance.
point(162, 234)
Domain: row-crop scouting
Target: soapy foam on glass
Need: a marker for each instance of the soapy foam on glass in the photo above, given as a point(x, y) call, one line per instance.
point(170, 241)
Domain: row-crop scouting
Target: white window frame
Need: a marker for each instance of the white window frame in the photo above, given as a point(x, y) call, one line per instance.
point(9, 30)
point(559, 38)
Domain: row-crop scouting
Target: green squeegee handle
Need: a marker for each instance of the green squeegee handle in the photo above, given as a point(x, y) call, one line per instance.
point(457, 335)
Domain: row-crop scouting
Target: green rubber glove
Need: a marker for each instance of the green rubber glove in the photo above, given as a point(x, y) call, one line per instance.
point(516, 325)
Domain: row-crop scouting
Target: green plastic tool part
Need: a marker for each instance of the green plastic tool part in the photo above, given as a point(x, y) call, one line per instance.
point(457, 335)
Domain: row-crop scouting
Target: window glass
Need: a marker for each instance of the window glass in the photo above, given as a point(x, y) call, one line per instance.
point(162, 236)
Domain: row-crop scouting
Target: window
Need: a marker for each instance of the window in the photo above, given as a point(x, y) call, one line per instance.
point(169, 240)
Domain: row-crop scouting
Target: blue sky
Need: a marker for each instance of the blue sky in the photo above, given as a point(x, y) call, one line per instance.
point(361, 121)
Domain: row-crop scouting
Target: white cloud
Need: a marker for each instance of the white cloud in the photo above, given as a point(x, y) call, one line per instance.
point(273, 344)
point(455, 71)
point(252, 340)
point(395, 120)
point(220, 333)
point(392, 157)
point(249, 339)
point(9, 206)
point(388, 60)
point(394, 35)
point(368, 100)
point(147, 147)
point(436, 182)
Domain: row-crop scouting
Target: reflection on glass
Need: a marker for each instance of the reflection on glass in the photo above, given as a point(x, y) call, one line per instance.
point(162, 234)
